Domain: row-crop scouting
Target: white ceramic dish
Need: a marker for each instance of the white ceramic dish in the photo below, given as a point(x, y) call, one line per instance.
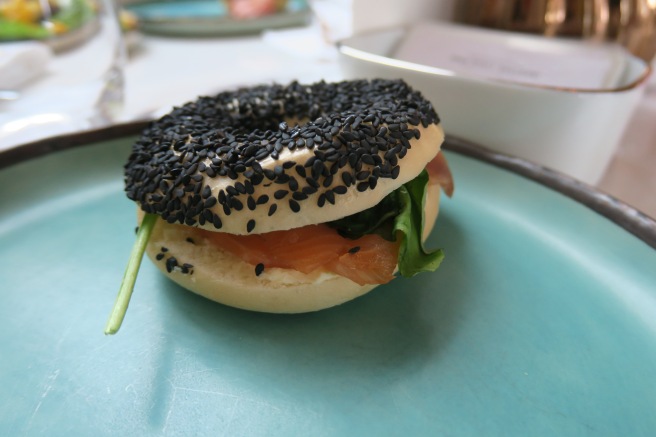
point(574, 130)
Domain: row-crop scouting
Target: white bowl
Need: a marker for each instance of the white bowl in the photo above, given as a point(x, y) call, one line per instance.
point(571, 129)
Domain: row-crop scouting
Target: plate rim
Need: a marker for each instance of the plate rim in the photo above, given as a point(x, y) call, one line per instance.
point(617, 211)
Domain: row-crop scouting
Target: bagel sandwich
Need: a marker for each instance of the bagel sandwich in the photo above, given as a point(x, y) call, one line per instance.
point(291, 198)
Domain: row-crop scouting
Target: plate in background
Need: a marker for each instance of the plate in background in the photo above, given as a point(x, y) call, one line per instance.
point(540, 321)
point(210, 18)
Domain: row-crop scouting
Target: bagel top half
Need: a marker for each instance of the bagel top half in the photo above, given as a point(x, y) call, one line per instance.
point(278, 157)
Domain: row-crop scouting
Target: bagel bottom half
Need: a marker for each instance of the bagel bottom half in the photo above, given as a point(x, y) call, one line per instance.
point(224, 278)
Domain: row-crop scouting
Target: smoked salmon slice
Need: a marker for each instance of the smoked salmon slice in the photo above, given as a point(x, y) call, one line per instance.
point(439, 172)
point(367, 260)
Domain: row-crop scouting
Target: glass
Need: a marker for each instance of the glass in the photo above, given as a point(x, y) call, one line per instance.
point(61, 67)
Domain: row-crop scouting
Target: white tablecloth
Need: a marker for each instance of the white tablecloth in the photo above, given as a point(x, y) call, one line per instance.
point(162, 72)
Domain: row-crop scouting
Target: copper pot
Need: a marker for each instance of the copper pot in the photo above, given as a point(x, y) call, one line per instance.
point(631, 23)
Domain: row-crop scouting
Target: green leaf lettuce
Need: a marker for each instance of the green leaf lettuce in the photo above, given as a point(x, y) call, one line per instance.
point(399, 216)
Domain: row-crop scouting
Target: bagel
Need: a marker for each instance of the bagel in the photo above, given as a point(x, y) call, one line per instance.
point(262, 160)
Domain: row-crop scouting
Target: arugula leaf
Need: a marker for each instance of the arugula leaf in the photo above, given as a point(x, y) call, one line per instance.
point(400, 215)
point(409, 226)
point(130, 277)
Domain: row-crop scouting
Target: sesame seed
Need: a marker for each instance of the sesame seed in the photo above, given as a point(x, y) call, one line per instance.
point(317, 169)
point(280, 194)
point(236, 204)
point(171, 263)
point(362, 175)
point(259, 268)
point(354, 249)
point(294, 206)
point(240, 188)
point(250, 226)
point(373, 182)
point(368, 159)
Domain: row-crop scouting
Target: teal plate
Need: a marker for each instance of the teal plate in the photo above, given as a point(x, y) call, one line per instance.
point(210, 18)
point(541, 320)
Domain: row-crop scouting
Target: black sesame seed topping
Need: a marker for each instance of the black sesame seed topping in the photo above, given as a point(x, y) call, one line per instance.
point(259, 269)
point(354, 249)
point(272, 209)
point(216, 221)
point(355, 127)
point(250, 226)
point(280, 194)
point(171, 263)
